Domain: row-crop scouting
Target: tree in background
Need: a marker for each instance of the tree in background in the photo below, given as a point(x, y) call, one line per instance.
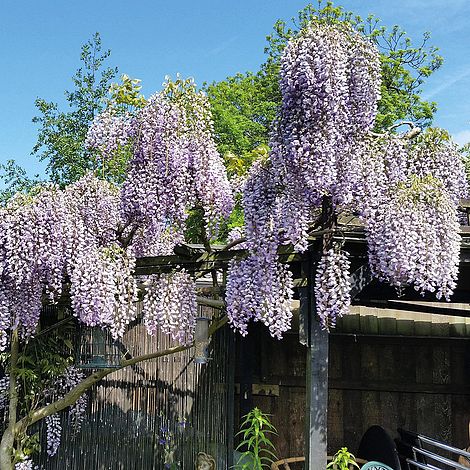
point(62, 134)
point(245, 104)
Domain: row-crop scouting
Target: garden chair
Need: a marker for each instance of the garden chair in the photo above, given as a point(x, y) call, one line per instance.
point(424, 453)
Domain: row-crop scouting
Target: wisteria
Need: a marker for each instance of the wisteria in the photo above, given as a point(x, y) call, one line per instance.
point(4, 389)
point(175, 166)
point(332, 286)
point(104, 290)
point(26, 464)
point(260, 287)
point(323, 149)
point(89, 233)
point(169, 305)
point(79, 244)
point(53, 433)
point(330, 84)
point(109, 132)
point(64, 384)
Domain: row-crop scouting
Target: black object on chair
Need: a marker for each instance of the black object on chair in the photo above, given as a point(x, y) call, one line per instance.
point(376, 444)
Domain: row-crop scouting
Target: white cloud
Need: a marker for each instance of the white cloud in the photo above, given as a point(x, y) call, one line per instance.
point(462, 137)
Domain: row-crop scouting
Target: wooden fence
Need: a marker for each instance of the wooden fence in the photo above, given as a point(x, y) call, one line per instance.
point(403, 379)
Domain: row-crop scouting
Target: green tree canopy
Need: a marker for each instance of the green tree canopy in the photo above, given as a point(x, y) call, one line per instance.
point(62, 134)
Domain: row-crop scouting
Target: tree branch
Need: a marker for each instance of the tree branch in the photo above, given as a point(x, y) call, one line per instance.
point(8, 437)
point(71, 397)
point(236, 242)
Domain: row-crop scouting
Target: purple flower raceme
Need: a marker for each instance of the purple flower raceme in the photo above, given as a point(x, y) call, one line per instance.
point(53, 433)
point(332, 286)
point(64, 384)
point(109, 132)
point(26, 464)
point(170, 306)
point(90, 232)
point(175, 167)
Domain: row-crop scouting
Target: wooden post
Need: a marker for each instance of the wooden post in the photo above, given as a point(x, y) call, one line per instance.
point(316, 412)
point(317, 398)
point(316, 340)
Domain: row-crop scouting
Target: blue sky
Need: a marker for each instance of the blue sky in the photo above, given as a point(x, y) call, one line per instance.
point(40, 43)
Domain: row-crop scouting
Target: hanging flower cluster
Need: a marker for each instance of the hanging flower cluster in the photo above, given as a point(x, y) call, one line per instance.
point(330, 84)
point(26, 464)
point(109, 132)
point(53, 433)
point(63, 385)
point(332, 287)
point(104, 290)
point(4, 389)
point(89, 233)
point(170, 306)
point(405, 191)
point(175, 167)
point(43, 240)
point(260, 287)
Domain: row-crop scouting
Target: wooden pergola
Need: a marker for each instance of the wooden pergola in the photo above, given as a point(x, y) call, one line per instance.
point(204, 260)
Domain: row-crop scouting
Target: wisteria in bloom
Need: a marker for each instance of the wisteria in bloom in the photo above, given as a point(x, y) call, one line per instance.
point(89, 233)
point(235, 235)
point(4, 389)
point(330, 84)
point(44, 237)
point(435, 154)
point(332, 286)
point(323, 149)
point(407, 198)
point(53, 433)
point(170, 306)
point(103, 289)
point(109, 132)
point(427, 257)
point(26, 464)
point(259, 291)
point(64, 384)
point(213, 189)
point(259, 287)
point(175, 167)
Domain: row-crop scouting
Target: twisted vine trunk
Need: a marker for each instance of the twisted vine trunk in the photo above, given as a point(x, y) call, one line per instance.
point(8, 438)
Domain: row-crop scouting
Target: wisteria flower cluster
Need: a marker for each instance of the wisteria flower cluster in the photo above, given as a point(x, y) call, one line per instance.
point(259, 287)
point(26, 464)
point(332, 286)
point(89, 233)
point(330, 85)
point(170, 305)
point(104, 290)
point(44, 239)
point(64, 384)
point(322, 148)
point(175, 166)
point(109, 132)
